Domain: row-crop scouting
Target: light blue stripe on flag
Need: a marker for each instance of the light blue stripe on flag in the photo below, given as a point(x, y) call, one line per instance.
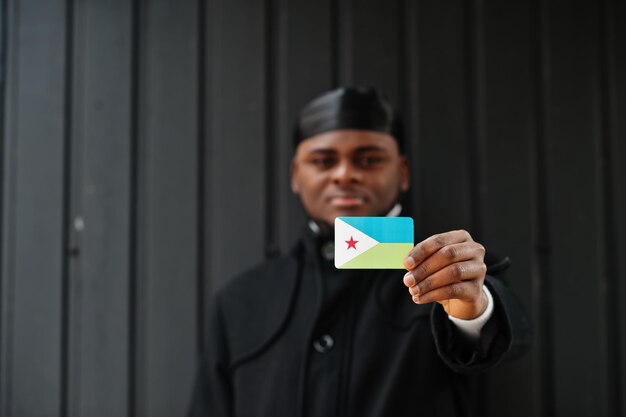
point(384, 229)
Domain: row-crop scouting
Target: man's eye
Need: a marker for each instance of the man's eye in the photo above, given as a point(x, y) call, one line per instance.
point(369, 161)
point(323, 162)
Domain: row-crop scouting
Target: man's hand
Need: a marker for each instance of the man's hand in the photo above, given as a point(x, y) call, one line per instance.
point(448, 268)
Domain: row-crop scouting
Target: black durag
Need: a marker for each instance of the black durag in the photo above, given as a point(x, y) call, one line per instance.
point(348, 108)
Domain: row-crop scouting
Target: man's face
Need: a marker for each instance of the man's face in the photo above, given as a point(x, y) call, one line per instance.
point(348, 173)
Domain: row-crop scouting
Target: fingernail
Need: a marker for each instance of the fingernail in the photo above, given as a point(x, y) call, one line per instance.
point(409, 262)
point(408, 279)
point(416, 299)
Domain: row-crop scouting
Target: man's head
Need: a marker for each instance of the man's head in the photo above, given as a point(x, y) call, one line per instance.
point(348, 160)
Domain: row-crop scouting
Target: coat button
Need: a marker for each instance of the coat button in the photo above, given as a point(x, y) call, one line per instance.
point(328, 251)
point(324, 344)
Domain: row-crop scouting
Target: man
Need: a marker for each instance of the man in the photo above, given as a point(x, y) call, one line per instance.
point(297, 337)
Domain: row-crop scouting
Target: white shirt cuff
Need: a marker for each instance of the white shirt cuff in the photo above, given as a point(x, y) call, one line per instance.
point(471, 328)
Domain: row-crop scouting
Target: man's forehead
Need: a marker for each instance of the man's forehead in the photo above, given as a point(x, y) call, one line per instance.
point(329, 149)
point(352, 140)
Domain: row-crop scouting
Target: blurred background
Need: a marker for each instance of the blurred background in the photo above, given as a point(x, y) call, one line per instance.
point(144, 159)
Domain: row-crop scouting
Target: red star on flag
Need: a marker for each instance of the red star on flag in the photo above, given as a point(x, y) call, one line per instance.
point(351, 243)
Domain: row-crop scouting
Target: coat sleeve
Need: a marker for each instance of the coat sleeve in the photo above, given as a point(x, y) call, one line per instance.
point(504, 337)
point(212, 394)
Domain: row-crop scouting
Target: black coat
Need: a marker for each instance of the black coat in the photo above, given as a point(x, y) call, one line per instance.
point(294, 337)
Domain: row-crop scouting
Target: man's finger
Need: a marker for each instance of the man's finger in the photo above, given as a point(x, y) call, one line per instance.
point(445, 256)
point(455, 273)
point(427, 247)
point(465, 290)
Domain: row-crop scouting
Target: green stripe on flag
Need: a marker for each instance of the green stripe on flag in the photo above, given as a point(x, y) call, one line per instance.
point(381, 256)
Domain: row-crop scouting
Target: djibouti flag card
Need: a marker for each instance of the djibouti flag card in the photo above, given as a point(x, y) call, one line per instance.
point(372, 242)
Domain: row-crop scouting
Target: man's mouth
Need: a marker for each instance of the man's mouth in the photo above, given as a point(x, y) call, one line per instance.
point(346, 201)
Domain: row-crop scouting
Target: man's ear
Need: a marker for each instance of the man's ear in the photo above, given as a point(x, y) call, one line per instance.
point(293, 170)
point(405, 174)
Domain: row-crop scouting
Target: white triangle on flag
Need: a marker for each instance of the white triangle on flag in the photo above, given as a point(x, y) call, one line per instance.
point(344, 233)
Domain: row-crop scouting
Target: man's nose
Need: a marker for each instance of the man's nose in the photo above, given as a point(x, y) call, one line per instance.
point(345, 173)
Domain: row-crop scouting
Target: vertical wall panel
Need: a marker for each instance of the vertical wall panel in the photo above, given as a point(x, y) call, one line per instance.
point(166, 309)
point(5, 287)
point(443, 161)
point(236, 166)
point(4, 22)
point(342, 34)
point(408, 100)
point(100, 216)
point(542, 282)
point(508, 137)
point(374, 52)
point(474, 51)
point(298, 55)
point(576, 212)
point(615, 19)
point(33, 231)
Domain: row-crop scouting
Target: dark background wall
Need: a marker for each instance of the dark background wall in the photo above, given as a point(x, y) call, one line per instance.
point(145, 149)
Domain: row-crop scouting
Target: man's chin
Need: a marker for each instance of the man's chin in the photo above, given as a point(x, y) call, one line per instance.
point(361, 211)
